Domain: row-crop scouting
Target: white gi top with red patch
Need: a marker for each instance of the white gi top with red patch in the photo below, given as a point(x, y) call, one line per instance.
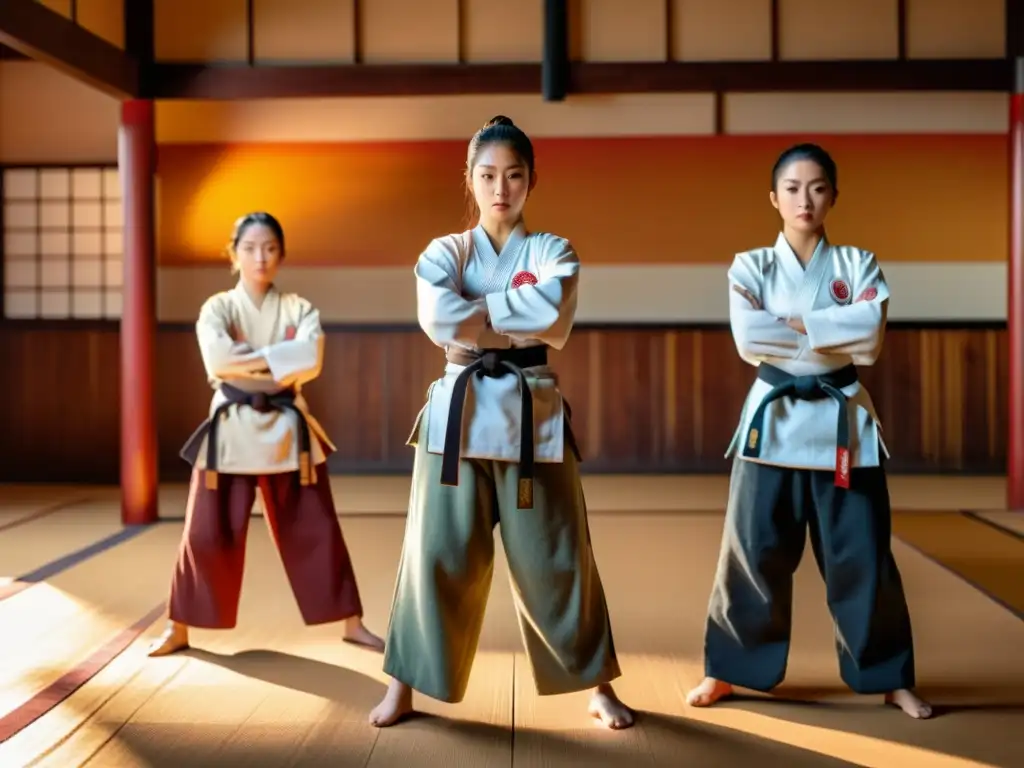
point(268, 348)
point(471, 297)
point(842, 298)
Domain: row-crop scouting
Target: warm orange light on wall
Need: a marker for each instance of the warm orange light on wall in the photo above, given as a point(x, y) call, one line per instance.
point(345, 203)
point(627, 200)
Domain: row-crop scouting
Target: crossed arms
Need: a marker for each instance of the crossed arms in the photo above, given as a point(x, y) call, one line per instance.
point(856, 329)
point(288, 363)
point(544, 311)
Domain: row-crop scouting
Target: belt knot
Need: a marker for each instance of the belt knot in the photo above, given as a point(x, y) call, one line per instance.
point(806, 387)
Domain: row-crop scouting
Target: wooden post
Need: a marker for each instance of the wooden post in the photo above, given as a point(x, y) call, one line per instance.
point(136, 152)
point(1015, 305)
point(555, 58)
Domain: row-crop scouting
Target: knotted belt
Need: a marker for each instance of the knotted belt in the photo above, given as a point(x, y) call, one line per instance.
point(259, 401)
point(814, 387)
point(493, 363)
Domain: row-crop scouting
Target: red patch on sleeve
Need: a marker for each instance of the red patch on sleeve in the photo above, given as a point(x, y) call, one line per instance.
point(523, 278)
point(868, 294)
point(840, 291)
point(289, 333)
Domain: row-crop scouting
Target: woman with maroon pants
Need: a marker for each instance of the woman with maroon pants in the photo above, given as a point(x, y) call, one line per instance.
point(259, 346)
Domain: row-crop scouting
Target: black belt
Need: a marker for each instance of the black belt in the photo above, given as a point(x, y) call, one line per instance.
point(280, 401)
point(494, 363)
point(815, 387)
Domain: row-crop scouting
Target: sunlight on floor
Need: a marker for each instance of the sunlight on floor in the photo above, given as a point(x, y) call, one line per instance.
point(274, 692)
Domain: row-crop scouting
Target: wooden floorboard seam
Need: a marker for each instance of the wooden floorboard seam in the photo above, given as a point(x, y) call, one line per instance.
point(39, 514)
point(978, 518)
point(64, 562)
point(971, 582)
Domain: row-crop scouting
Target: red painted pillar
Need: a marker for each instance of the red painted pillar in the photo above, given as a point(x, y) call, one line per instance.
point(1015, 305)
point(136, 152)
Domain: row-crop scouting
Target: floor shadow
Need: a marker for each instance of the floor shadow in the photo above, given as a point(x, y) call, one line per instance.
point(657, 740)
point(318, 678)
point(946, 699)
point(712, 746)
point(971, 722)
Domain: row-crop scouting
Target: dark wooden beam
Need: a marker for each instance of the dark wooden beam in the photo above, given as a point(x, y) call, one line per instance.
point(196, 81)
point(9, 54)
point(250, 32)
point(555, 64)
point(461, 29)
point(901, 28)
point(758, 77)
point(773, 23)
point(669, 30)
point(1014, 28)
point(357, 31)
point(138, 30)
point(39, 33)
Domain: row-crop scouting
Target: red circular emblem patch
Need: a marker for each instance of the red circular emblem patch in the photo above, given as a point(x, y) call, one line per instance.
point(840, 291)
point(289, 333)
point(523, 278)
point(868, 295)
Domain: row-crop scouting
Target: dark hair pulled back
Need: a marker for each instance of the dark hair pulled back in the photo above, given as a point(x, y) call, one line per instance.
point(811, 152)
point(244, 223)
point(497, 130)
point(500, 130)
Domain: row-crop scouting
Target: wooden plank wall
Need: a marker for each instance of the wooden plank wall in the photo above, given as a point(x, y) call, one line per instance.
point(644, 399)
point(343, 31)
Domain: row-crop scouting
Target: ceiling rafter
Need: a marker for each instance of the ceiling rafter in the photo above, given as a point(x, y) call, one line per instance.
point(37, 32)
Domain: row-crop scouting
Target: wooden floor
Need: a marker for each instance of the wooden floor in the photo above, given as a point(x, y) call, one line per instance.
point(80, 596)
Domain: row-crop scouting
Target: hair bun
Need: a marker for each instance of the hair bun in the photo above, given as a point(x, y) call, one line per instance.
point(499, 120)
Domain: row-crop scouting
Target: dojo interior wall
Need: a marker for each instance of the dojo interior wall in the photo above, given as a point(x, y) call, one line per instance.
point(503, 30)
point(656, 190)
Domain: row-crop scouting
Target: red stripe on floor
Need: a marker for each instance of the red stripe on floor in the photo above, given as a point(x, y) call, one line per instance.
point(75, 678)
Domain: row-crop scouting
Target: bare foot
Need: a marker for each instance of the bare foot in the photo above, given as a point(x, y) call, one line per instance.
point(708, 692)
point(606, 707)
point(396, 704)
point(174, 639)
point(357, 634)
point(908, 701)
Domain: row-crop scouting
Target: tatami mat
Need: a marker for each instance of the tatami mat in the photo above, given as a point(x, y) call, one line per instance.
point(1012, 522)
point(275, 693)
point(989, 557)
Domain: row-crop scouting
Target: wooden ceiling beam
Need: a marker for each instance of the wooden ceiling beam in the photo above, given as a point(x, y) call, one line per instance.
point(35, 31)
point(197, 81)
point(9, 54)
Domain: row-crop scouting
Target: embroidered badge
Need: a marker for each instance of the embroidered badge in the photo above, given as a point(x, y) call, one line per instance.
point(523, 278)
point(840, 291)
point(289, 333)
point(868, 294)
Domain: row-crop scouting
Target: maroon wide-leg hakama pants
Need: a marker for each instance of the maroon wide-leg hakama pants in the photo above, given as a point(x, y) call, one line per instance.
point(207, 579)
